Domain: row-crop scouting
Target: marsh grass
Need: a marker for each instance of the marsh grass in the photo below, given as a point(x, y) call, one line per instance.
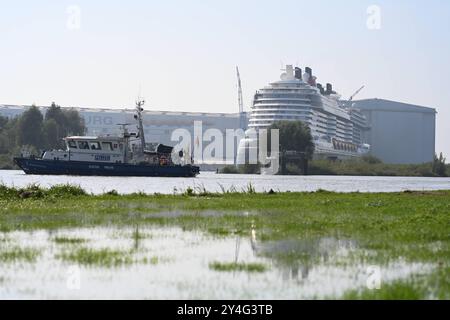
point(97, 257)
point(435, 285)
point(17, 254)
point(237, 266)
point(139, 235)
point(392, 226)
point(112, 192)
point(35, 191)
point(201, 191)
point(68, 240)
point(152, 260)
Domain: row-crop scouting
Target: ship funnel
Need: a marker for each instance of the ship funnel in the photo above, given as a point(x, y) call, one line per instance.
point(309, 78)
point(329, 88)
point(298, 73)
point(308, 70)
point(320, 87)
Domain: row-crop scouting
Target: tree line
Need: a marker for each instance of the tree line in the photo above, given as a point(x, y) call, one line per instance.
point(37, 131)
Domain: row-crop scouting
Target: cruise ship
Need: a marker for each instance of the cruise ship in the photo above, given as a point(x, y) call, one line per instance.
point(336, 127)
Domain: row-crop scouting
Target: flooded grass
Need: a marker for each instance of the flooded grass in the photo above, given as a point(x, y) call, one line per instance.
point(17, 254)
point(234, 266)
point(319, 233)
point(97, 257)
point(435, 285)
point(68, 240)
point(151, 260)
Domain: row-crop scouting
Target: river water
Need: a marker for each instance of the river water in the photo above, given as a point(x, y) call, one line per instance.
point(213, 182)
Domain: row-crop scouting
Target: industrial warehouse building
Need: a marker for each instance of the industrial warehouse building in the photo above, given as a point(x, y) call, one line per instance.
point(398, 132)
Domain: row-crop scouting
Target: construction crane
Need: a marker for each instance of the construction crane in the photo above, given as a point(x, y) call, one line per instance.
point(242, 116)
point(353, 95)
point(240, 100)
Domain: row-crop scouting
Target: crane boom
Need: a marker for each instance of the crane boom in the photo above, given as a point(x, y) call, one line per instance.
point(353, 95)
point(240, 102)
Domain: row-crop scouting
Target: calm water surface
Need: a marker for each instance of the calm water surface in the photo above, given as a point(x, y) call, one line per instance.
point(171, 263)
point(216, 182)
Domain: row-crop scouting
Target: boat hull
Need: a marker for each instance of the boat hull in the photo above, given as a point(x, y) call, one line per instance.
point(82, 168)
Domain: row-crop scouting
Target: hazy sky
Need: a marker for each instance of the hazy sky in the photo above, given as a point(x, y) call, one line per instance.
point(182, 54)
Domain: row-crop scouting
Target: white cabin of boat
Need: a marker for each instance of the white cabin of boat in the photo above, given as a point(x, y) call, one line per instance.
point(109, 149)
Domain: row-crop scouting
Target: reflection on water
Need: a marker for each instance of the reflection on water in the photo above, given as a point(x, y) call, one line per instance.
point(216, 182)
point(297, 258)
point(169, 263)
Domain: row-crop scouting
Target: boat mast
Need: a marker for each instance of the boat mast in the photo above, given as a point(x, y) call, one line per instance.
point(139, 109)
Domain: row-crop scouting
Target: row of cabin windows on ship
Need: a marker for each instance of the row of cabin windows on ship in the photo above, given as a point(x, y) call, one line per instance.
point(94, 145)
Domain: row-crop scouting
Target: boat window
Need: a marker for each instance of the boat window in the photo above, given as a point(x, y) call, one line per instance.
point(83, 145)
point(95, 145)
point(72, 144)
point(107, 146)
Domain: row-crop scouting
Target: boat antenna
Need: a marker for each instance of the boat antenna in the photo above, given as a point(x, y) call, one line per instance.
point(138, 116)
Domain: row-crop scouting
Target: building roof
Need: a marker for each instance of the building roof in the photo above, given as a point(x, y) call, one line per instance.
point(388, 105)
point(126, 110)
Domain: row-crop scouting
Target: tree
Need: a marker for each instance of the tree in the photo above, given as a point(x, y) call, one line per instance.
point(55, 113)
point(50, 134)
point(29, 129)
point(75, 123)
point(4, 143)
point(296, 143)
point(3, 122)
point(8, 135)
point(60, 123)
point(439, 166)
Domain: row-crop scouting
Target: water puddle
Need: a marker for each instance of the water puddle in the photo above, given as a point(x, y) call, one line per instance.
point(154, 262)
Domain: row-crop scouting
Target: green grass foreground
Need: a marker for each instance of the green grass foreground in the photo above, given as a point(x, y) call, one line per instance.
point(411, 226)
